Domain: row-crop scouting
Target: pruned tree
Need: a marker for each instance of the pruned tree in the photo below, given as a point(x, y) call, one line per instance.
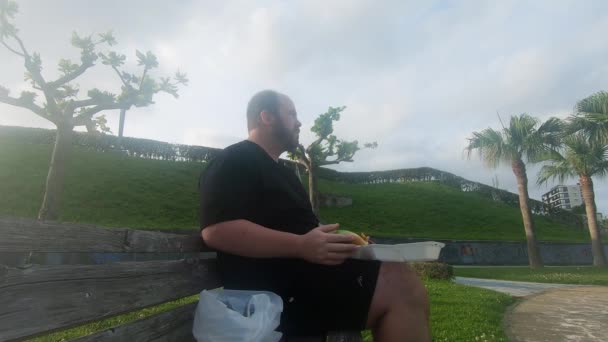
point(61, 103)
point(327, 149)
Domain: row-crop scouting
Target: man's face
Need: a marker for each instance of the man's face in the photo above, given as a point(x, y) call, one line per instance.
point(287, 127)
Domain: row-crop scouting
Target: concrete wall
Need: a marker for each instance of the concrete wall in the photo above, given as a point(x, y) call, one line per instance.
point(507, 253)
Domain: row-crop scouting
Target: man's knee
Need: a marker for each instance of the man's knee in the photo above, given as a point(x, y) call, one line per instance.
point(398, 289)
point(406, 287)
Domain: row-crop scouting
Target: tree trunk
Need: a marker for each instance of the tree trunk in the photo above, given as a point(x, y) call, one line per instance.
point(312, 190)
point(298, 173)
point(54, 180)
point(599, 259)
point(519, 169)
point(121, 125)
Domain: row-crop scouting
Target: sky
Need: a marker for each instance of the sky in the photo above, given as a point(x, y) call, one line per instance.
point(417, 77)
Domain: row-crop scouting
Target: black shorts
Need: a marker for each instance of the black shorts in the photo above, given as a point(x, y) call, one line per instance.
point(328, 298)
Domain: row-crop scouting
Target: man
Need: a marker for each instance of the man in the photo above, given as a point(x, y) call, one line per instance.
point(256, 213)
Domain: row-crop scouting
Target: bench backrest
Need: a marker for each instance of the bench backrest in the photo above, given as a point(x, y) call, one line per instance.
point(37, 299)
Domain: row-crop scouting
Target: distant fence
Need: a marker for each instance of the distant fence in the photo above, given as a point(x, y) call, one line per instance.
point(153, 149)
point(136, 147)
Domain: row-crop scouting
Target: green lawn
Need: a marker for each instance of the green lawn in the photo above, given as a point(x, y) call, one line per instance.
point(458, 313)
point(561, 275)
point(114, 190)
point(463, 313)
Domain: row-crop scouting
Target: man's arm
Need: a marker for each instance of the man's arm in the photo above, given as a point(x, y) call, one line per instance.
point(245, 238)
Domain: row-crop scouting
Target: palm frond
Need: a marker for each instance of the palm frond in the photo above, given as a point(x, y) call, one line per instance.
point(580, 156)
point(592, 116)
point(575, 123)
point(558, 170)
point(524, 139)
point(579, 153)
point(520, 128)
point(540, 143)
point(490, 145)
point(596, 103)
point(601, 169)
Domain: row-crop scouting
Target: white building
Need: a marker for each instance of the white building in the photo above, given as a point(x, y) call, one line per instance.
point(564, 196)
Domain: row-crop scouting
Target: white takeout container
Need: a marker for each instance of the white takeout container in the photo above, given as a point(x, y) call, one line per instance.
point(416, 251)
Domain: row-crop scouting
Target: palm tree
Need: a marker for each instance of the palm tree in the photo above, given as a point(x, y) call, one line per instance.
point(592, 117)
point(524, 139)
point(585, 158)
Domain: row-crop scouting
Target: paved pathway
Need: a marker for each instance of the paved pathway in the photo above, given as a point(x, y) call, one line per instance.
point(552, 312)
point(566, 314)
point(513, 288)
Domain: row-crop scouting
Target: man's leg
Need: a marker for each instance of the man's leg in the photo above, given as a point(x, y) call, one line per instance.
point(400, 307)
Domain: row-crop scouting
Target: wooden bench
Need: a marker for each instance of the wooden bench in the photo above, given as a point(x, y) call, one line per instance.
point(38, 299)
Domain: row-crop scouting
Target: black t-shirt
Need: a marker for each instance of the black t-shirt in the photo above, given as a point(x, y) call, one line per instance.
point(244, 182)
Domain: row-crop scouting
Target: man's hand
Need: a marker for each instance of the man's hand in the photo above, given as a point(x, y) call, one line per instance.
point(320, 246)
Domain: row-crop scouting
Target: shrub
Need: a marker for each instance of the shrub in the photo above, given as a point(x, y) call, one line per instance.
point(433, 270)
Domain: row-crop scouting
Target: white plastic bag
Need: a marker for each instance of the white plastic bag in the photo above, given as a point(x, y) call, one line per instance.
point(231, 315)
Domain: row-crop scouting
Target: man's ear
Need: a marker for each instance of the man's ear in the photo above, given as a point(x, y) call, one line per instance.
point(267, 118)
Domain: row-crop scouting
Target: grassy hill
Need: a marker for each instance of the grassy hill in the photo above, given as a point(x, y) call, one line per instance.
point(115, 190)
point(436, 211)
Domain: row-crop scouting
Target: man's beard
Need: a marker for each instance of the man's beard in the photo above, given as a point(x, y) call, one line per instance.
point(287, 139)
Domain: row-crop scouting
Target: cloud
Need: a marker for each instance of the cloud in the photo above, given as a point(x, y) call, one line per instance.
point(418, 77)
point(209, 138)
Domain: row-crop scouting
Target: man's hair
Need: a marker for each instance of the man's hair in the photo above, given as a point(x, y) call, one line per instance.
point(265, 100)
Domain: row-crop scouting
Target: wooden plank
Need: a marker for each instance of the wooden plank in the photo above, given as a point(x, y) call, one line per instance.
point(22, 259)
point(25, 235)
point(176, 325)
point(170, 326)
point(45, 298)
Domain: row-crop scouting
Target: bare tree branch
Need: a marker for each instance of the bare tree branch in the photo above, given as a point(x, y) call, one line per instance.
point(31, 106)
point(83, 103)
point(303, 163)
point(302, 159)
point(315, 143)
point(21, 44)
point(121, 78)
point(72, 105)
point(11, 49)
point(71, 76)
point(143, 76)
point(329, 162)
point(87, 114)
point(37, 77)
